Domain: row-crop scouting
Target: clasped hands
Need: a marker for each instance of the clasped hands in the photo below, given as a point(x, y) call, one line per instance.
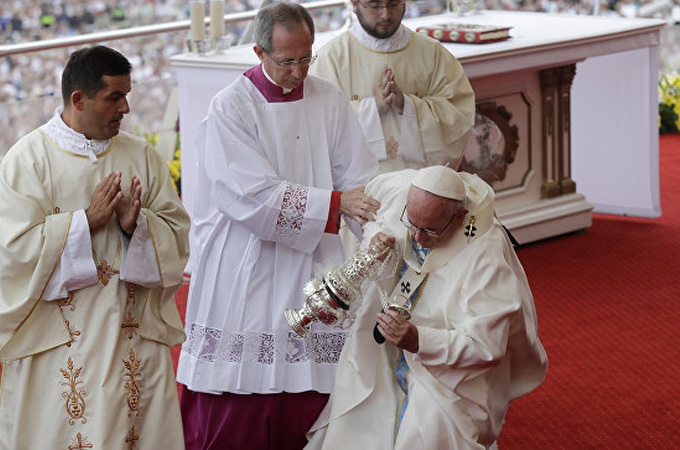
point(388, 95)
point(108, 198)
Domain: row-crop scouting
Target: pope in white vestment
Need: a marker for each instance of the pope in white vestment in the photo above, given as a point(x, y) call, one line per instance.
point(268, 165)
point(86, 319)
point(439, 104)
point(478, 347)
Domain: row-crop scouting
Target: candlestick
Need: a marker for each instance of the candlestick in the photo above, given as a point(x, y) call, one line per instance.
point(216, 18)
point(197, 14)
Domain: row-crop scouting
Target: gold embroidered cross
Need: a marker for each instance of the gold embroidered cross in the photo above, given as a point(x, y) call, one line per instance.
point(129, 324)
point(79, 443)
point(105, 272)
point(131, 439)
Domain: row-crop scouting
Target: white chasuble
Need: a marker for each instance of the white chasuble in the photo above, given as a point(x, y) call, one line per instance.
point(477, 338)
point(92, 369)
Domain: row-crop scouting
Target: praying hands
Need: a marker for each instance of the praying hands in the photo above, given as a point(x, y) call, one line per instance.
point(108, 199)
point(388, 95)
point(129, 206)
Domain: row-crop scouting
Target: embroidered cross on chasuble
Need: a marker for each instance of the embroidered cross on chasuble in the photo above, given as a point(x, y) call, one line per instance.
point(79, 443)
point(105, 272)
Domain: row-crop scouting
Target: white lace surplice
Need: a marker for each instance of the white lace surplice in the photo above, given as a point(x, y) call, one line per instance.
point(266, 173)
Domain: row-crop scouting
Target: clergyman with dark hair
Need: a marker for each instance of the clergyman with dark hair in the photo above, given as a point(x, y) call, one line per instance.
point(93, 245)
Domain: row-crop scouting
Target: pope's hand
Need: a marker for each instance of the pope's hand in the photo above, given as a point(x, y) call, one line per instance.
point(398, 331)
point(380, 243)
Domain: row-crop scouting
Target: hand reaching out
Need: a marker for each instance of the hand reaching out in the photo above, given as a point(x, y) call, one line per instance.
point(359, 206)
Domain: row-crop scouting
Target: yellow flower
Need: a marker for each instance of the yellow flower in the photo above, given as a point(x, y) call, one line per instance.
point(669, 103)
point(175, 170)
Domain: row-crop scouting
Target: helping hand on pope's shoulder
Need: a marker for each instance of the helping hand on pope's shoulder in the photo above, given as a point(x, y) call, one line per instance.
point(358, 206)
point(411, 94)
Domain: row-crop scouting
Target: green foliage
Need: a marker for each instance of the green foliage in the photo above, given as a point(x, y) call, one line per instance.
point(669, 104)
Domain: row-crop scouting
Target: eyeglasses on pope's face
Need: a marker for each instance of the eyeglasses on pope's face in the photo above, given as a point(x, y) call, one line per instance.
point(375, 5)
point(430, 232)
point(290, 63)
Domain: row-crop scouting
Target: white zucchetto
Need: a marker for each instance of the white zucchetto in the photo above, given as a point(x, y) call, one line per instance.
point(440, 180)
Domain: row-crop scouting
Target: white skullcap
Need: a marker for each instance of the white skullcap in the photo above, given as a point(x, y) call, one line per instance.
point(440, 180)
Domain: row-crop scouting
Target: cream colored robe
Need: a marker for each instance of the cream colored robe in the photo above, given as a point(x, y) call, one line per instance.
point(478, 343)
point(93, 369)
point(431, 77)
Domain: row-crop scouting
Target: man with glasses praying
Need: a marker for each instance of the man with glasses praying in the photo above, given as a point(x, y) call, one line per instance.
point(281, 156)
point(435, 363)
point(413, 99)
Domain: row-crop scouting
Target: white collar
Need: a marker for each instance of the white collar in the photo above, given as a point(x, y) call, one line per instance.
point(285, 90)
point(72, 141)
point(396, 42)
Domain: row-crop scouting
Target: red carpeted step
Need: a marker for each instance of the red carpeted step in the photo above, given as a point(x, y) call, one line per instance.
point(608, 313)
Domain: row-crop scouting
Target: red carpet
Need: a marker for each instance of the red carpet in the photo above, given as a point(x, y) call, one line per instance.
point(608, 313)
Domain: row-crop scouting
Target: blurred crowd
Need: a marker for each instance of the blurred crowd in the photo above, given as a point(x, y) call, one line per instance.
point(29, 82)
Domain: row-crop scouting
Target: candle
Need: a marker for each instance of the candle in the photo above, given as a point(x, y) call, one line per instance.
point(197, 13)
point(216, 18)
point(452, 6)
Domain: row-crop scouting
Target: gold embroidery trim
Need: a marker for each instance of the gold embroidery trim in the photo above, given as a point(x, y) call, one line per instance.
point(79, 443)
point(105, 272)
point(74, 333)
point(130, 324)
point(132, 439)
point(75, 398)
point(133, 394)
point(131, 289)
point(66, 302)
point(392, 147)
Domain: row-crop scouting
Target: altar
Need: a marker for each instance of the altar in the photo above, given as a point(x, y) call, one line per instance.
point(575, 97)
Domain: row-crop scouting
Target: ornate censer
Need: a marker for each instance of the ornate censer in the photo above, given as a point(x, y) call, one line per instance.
point(328, 299)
